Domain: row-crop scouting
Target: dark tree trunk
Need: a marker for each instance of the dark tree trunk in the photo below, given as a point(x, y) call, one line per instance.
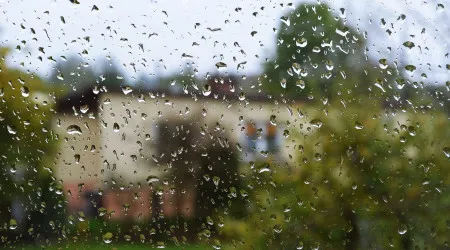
point(353, 236)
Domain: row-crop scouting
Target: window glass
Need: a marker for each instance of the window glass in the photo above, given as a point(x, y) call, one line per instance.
point(193, 124)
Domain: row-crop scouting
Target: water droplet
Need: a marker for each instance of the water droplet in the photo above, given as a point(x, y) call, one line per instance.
point(233, 193)
point(409, 44)
point(301, 42)
point(186, 56)
point(81, 216)
point(102, 211)
point(221, 65)
point(301, 84)
point(206, 233)
point(152, 178)
point(296, 68)
point(400, 83)
point(446, 151)
point(77, 158)
point(242, 96)
point(273, 120)
point(379, 84)
point(317, 157)
point(316, 123)
point(216, 180)
point(402, 229)
point(142, 238)
point(383, 63)
point(141, 98)
point(12, 224)
point(116, 127)
point(329, 65)
point(11, 129)
point(25, 91)
point(216, 245)
point(264, 169)
point(410, 68)
point(160, 244)
point(277, 229)
point(126, 89)
point(96, 89)
point(411, 131)
point(286, 20)
point(206, 90)
point(342, 13)
point(283, 83)
point(84, 108)
point(359, 125)
point(74, 130)
point(107, 237)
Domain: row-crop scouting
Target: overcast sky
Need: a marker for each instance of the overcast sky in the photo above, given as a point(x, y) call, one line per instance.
point(154, 34)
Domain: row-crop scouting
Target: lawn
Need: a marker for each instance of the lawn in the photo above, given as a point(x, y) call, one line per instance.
point(109, 247)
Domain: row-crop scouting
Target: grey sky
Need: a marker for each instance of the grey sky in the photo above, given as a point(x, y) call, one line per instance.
point(132, 23)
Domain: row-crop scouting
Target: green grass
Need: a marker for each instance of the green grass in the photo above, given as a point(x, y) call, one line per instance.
point(102, 246)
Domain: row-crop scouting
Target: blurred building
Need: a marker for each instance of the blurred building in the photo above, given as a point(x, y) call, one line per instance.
point(118, 146)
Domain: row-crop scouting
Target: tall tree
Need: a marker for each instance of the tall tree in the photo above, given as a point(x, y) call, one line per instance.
point(28, 190)
point(365, 175)
point(76, 73)
point(318, 56)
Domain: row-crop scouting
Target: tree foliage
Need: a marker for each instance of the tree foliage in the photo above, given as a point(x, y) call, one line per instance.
point(319, 57)
point(371, 167)
point(28, 188)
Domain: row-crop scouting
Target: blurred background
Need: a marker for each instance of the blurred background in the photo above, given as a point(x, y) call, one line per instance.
point(245, 125)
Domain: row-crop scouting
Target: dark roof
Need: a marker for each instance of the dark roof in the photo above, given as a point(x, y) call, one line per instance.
point(220, 87)
point(86, 96)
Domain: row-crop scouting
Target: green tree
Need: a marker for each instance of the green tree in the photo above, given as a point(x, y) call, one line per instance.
point(318, 57)
point(79, 74)
point(28, 190)
point(212, 167)
point(362, 180)
point(370, 168)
